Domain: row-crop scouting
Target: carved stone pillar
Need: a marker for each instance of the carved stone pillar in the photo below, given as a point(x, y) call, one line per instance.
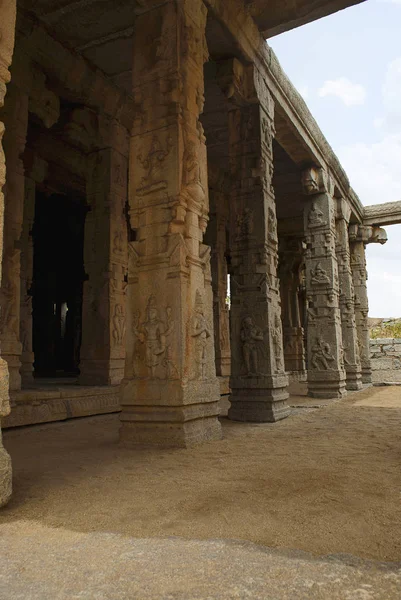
point(359, 236)
point(291, 256)
point(35, 172)
point(7, 30)
point(105, 262)
point(326, 374)
point(352, 362)
point(16, 121)
point(171, 392)
point(217, 238)
point(258, 381)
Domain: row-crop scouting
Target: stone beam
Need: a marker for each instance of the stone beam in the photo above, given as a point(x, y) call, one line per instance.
point(290, 107)
point(276, 17)
point(383, 214)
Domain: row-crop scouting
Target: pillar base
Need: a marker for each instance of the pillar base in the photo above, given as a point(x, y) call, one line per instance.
point(354, 384)
point(252, 401)
point(366, 376)
point(169, 414)
point(5, 477)
point(326, 385)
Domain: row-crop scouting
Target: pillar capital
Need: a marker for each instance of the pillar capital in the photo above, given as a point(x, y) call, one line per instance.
point(315, 180)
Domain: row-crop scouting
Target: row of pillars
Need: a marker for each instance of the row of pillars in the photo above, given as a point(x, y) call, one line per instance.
point(105, 248)
point(170, 391)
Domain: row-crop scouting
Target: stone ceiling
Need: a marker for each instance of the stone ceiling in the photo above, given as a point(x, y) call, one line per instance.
point(276, 16)
point(102, 30)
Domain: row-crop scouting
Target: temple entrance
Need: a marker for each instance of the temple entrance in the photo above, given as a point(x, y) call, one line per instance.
point(58, 275)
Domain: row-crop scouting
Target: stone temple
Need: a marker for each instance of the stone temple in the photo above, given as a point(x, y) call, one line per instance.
point(154, 155)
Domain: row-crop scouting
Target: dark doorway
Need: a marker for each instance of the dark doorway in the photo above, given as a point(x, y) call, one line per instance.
point(58, 275)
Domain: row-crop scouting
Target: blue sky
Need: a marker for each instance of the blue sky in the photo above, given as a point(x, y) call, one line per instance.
point(348, 68)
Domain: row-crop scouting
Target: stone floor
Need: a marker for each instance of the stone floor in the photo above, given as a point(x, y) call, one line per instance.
point(305, 508)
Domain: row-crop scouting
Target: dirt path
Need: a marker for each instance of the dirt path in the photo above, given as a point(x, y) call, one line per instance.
point(324, 481)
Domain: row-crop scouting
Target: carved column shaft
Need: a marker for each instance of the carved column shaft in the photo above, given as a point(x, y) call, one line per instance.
point(359, 236)
point(351, 356)
point(326, 374)
point(171, 392)
point(258, 380)
point(105, 260)
point(7, 31)
point(290, 253)
point(217, 234)
point(16, 120)
point(359, 274)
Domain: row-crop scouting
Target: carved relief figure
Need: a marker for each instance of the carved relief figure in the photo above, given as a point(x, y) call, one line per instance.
point(319, 276)
point(315, 217)
point(277, 337)
point(153, 179)
point(251, 338)
point(310, 181)
point(119, 325)
point(272, 224)
point(8, 294)
point(153, 333)
point(321, 355)
point(192, 174)
point(200, 330)
point(119, 243)
point(245, 224)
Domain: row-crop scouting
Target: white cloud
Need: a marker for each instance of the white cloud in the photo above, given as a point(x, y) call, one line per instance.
point(352, 94)
point(389, 2)
point(375, 169)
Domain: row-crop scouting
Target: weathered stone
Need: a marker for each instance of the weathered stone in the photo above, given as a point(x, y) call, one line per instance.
point(118, 132)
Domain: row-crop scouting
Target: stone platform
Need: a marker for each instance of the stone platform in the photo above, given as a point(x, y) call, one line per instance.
point(49, 402)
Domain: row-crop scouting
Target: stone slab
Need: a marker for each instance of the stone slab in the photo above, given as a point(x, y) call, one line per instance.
point(30, 407)
point(40, 563)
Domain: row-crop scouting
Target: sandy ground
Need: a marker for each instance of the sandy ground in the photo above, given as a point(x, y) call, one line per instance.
point(324, 481)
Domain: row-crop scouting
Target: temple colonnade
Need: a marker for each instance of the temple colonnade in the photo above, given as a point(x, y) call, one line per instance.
point(186, 232)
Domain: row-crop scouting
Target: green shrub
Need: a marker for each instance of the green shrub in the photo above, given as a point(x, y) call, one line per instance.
point(387, 330)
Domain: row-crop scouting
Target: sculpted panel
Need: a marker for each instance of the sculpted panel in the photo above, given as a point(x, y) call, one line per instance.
point(153, 334)
point(201, 332)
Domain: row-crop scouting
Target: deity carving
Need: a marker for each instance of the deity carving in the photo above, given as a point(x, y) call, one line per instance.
point(321, 355)
point(192, 174)
point(310, 181)
point(277, 337)
point(153, 333)
point(153, 164)
point(201, 332)
point(267, 133)
point(319, 276)
point(252, 339)
point(8, 293)
point(119, 325)
point(245, 224)
point(315, 217)
point(118, 246)
point(272, 224)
